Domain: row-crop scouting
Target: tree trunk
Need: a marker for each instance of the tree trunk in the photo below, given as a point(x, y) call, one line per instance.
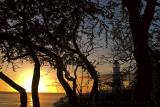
point(72, 96)
point(142, 57)
point(23, 94)
point(35, 80)
point(92, 72)
point(139, 28)
point(156, 80)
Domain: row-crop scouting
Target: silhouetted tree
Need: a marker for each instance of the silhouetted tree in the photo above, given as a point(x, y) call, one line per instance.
point(10, 55)
point(49, 25)
point(147, 65)
point(35, 79)
point(54, 28)
point(22, 92)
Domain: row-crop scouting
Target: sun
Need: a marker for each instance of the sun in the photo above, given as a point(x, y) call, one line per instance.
point(25, 80)
point(28, 83)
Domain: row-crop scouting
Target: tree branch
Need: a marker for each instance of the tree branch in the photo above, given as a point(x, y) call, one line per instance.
point(148, 14)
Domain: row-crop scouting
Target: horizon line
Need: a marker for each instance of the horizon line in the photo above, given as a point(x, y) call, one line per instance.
point(31, 92)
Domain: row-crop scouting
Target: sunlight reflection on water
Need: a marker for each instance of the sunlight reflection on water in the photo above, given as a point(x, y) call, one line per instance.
point(12, 99)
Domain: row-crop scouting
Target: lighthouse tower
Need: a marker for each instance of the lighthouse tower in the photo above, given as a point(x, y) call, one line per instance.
point(116, 88)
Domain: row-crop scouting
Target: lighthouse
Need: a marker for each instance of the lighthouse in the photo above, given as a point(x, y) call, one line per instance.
point(116, 86)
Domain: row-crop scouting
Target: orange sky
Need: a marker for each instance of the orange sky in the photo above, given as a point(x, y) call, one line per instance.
point(23, 77)
point(48, 82)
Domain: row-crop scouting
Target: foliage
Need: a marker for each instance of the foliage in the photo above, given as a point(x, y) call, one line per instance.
point(51, 29)
point(64, 101)
point(65, 32)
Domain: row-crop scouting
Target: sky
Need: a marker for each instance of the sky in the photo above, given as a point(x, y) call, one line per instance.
point(48, 83)
point(23, 77)
point(48, 80)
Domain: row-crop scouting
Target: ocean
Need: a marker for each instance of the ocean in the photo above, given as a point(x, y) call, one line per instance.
point(9, 99)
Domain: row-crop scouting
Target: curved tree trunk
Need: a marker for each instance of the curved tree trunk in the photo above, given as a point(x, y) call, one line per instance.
point(92, 72)
point(35, 80)
point(23, 94)
point(72, 96)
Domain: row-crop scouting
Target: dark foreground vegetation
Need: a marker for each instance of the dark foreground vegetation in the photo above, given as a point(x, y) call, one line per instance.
point(64, 33)
point(124, 99)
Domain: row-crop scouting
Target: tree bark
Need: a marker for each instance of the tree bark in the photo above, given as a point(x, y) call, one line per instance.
point(35, 80)
point(142, 57)
point(139, 28)
point(72, 96)
point(7, 36)
point(22, 92)
point(92, 72)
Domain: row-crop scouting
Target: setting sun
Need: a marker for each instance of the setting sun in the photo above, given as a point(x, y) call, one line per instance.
point(45, 84)
point(28, 83)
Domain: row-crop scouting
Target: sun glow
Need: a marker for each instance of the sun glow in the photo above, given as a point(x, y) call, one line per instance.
point(28, 83)
point(25, 80)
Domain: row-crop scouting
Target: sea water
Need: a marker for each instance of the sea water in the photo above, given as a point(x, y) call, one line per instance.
point(9, 99)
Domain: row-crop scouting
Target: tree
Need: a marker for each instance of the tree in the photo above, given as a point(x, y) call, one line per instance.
point(23, 94)
point(35, 79)
point(20, 23)
point(11, 55)
point(145, 62)
point(52, 30)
